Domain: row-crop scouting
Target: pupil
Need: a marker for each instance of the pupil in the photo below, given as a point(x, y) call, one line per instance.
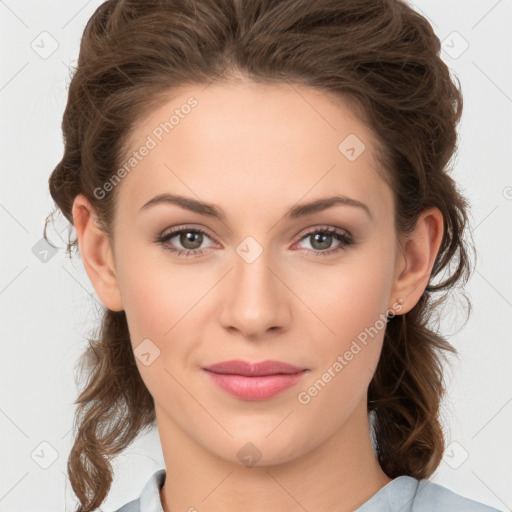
point(326, 240)
point(187, 240)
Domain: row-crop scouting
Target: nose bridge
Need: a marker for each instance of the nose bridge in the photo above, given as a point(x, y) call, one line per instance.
point(256, 301)
point(252, 274)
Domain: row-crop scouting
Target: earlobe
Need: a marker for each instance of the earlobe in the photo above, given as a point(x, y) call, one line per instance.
point(96, 253)
point(418, 256)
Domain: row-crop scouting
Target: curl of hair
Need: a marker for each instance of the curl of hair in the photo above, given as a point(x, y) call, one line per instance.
point(380, 56)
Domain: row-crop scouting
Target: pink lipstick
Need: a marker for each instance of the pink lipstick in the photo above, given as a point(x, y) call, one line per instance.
point(254, 381)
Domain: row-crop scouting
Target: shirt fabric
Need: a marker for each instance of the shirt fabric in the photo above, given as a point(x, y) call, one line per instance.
point(403, 494)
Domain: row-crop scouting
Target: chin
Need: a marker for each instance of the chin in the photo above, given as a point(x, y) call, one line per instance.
point(257, 448)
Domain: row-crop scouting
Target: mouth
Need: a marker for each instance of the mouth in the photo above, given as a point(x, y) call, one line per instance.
point(254, 381)
point(254, 369)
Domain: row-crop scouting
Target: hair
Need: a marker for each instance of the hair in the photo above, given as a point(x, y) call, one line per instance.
point(380, 56)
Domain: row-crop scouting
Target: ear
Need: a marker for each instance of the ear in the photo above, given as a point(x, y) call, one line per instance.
point(94, 246)
point(416, 258)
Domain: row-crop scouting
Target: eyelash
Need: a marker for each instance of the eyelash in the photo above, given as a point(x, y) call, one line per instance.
point(345, 241)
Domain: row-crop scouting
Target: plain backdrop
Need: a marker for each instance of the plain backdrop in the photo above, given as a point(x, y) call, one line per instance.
point(48, 306)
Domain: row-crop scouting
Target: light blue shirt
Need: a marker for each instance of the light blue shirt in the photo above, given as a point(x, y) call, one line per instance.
point(403, 494)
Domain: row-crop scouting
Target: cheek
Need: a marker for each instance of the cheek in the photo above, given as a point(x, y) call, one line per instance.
point(156, 292)
point(346, 300)
point(158, 301)
point(348, 340)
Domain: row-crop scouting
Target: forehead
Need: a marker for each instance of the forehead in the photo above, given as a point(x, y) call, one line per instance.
point(250, 145)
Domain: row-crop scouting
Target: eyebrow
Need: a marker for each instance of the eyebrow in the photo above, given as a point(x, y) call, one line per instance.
point(293, 213)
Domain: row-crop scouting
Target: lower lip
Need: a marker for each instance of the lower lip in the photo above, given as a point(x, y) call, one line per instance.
point(255, 388)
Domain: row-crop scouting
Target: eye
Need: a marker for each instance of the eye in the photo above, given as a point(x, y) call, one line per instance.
point(189, 238)
point(322, 239)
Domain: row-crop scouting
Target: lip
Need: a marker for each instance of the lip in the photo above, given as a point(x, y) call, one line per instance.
point(253, 369)
point(254, 380)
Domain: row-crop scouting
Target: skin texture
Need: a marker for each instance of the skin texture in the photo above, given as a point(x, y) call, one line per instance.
point(255, 151)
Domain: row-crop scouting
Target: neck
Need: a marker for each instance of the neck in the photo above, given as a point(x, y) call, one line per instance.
point(339, 475)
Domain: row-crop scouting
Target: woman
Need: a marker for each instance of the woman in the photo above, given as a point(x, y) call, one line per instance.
point(261, 202)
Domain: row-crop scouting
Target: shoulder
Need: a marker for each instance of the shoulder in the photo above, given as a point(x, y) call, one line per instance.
point(408, 494)
point(149, 499)
point(432, 496)
point(132, 506)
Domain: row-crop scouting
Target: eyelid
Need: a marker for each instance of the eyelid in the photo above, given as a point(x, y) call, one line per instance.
point(175, 230)
point(299, 236)
point(323, 227)
point(343, 236)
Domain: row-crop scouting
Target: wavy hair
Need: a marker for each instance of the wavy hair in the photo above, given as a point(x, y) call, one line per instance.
point(379, 55)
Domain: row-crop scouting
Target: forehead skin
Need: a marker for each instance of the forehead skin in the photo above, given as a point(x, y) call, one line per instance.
point(254, 150)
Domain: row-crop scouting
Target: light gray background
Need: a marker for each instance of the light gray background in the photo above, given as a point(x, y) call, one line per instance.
point(47, 308)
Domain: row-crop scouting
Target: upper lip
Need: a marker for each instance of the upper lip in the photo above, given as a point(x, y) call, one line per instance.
point(253, 369)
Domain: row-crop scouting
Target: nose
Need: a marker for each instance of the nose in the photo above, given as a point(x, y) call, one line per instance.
point(255, 301)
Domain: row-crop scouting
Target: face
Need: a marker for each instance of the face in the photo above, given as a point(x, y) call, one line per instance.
point(263, 279)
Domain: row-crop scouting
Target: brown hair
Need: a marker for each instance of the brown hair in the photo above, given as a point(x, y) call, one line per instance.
point(380, 55)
